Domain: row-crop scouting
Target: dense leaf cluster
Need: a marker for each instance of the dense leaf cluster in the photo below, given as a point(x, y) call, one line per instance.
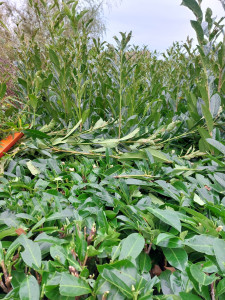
point(74, 227)
point(117, 190)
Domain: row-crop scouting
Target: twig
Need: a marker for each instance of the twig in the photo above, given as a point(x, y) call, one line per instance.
point(85, 260)
point(5, 290)
point(85, 232)
point(7, 286)
point(148, 249)
point(78, 230)
point(105, 295)
point(4, 270)
point(213, 291)
point(91, 235)
point(7, 277)
point(73, 271)
point(38, 277)
point(220, 80)
point(74, 254)
point(83, 153)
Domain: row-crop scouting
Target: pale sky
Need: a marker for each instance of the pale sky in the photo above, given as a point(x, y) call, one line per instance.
point(155, 23)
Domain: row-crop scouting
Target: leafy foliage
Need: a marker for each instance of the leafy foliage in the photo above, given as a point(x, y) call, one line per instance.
point(117, 191)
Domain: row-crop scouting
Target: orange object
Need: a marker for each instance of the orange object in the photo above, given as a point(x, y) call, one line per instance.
point(10, 141)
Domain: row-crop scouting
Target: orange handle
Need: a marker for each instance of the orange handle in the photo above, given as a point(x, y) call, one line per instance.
point(10, 141)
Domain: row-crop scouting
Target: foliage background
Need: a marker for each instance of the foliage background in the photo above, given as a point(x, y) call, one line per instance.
point(117, 189)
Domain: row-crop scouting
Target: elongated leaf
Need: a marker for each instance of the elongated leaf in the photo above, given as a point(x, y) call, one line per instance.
point(99, 124)
point(132, 156)
point(29, 289)
point(159, 155)
point(169, 189)
point(189, 296)
point(72, 130)
point(32, 253)
point(43, 237)
point(34, 171)
point(219, 250)
point(200, 276)
point(132, 246)
point(63, 140)
point(176, 257)
point(168, 240)
point(9, 219)
point(35, 134)
point(54, 59)
point(130, 135)
point(7, 232)
point(198, 29)
point(203, 145)
point(144, 262)
point(13, 294)
point(220, 290)
point(71, 286)
point(164, 297)
point(48, 127)
point(201, 243)
point(208, 117)
point(33, 101)
point(194, 7)
point(2, 90)
point(217, 145)
point(1, 253)
point(58, 253)
point(12, 248)
point(215, 103)
point(167, 216)
point(110, 143)
point(103, 285)
point(117, 282)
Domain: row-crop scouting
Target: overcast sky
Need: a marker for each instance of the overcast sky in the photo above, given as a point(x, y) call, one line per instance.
point(156, 23)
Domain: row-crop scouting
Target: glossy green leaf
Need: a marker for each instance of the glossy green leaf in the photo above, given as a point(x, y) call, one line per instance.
point(167, 216)
point(219, 250)
point(220, 289)
point(219, 146)
point(167, 240)
point(201, 243)
point(29, 289)
point(33, 101)
point(58, 253)
point(208, 118)
point(176, 257)
point(200, 276)
point(215, 103)
point(2, 90)
point(71, 286)
point(130, 135)
point(188, 296)
point(144, 262)
point(35, 134)
point(34, 171)
point(54, 59)
point(132, 246)
point(32, 253)
point(198, 29)
point(117, 282)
